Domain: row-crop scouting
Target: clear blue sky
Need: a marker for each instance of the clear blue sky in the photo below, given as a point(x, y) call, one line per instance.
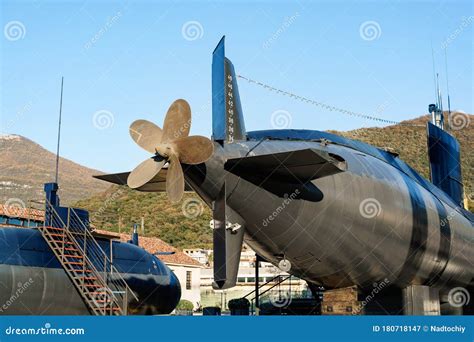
point(132, 60)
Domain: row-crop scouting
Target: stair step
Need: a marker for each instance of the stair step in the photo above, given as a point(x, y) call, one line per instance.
point(116, 311)
point(95, 293)
point(74, 256)
point(87, 278)
point(74, 263)
point(54, 228)
point(105, 301)
point(108, 309)
point(65, 242)
point(80, 275)
point(71, 249)
point(54, 234)
point(92, 285)
point(81, 270)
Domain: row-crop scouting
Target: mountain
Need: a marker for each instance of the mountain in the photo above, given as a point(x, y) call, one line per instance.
point(25, 166)
point(410, 143)
point(186, 225)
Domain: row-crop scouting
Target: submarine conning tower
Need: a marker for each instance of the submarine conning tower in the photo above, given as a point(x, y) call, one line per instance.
point(57, 216)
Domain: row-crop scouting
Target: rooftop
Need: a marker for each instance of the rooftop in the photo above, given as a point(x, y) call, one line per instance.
point(153, 245)
point(21, 212)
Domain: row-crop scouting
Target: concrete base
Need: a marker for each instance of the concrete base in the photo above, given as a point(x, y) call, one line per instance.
point(421, 300)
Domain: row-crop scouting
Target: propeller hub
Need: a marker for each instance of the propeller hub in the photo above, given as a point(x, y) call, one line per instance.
point(165, 150)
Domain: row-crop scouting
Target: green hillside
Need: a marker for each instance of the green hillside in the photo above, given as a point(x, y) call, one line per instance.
point(183, 225)
point(410, 143)
point(120, 206)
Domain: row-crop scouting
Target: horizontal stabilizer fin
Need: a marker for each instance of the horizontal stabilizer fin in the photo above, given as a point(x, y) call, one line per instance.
point(299, 166)
point(116, 178)
point(157, 184)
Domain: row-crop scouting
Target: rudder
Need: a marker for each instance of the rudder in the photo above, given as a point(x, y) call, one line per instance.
point(227, 116)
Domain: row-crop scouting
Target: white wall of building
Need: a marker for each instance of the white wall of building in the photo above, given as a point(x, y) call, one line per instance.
point(189, 290)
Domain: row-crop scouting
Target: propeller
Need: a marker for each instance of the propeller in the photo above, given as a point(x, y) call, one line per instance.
point(172, 145)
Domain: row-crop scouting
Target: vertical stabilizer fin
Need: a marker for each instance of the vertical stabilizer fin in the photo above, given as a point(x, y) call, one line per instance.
point(227, 116)
point(445, 166)
point(228, 237)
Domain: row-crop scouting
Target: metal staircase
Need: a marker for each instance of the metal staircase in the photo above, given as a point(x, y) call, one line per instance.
point(279, 297)
point(92, 272)
point(271, 284)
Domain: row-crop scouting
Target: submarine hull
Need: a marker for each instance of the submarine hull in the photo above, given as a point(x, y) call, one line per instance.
point(33, 282)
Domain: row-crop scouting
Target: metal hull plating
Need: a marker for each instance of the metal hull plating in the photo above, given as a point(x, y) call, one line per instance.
point(33, 281)
point(372, 223)
point(38, 291)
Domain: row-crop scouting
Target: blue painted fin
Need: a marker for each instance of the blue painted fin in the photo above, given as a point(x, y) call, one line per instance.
point(227, 116)
point(445, 164)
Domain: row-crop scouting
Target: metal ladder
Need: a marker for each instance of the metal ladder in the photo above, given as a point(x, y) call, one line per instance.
point(100, 285)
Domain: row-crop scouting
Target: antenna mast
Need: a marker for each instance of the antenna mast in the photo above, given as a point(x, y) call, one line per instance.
point(59, 130)
point(447, 81)
point(434, 74)
point(438, 89)
point(436, 109)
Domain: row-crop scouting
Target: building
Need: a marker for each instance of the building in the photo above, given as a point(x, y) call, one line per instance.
point(17, 216)
point(199, 254)
point(269, 276)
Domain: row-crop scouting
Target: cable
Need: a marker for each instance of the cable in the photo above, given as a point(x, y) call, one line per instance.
point(323, 105)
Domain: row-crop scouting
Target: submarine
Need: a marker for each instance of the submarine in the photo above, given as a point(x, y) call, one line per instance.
point(34, 281)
